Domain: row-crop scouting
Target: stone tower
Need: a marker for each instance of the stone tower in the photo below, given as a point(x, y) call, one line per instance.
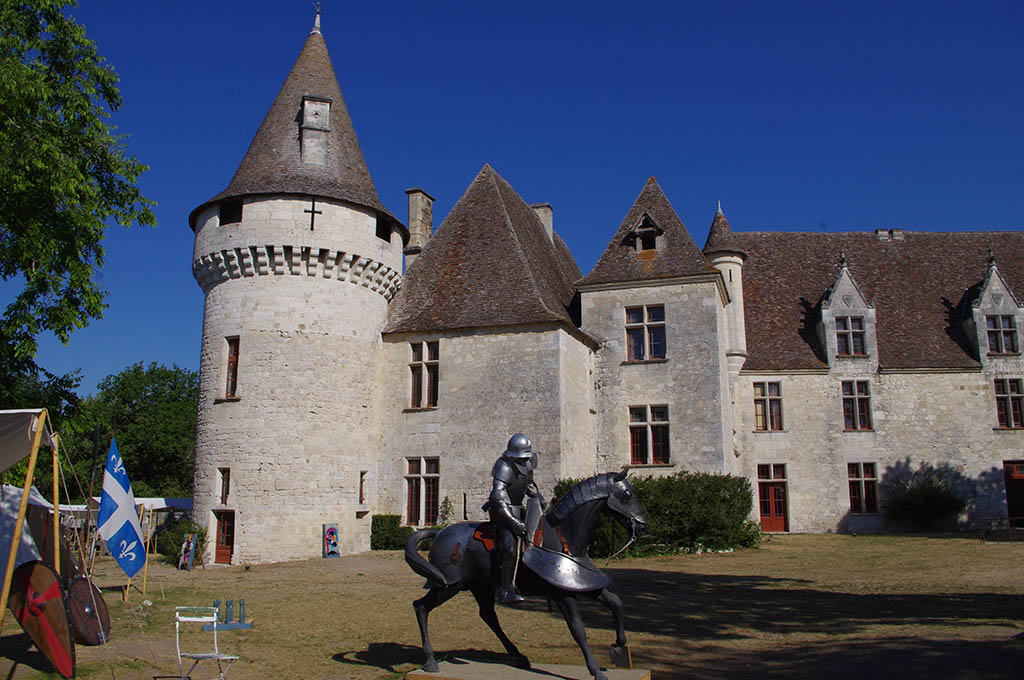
point(298, 260)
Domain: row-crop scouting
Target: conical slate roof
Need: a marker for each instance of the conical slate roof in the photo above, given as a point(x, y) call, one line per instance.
point(720, 238)
point(273, 164)
point(676, 254)
point(490, 263)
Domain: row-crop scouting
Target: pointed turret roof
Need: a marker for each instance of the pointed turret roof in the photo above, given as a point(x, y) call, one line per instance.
point(676, 253)
point(490, 263)
point(273, 164)
point(720, 237)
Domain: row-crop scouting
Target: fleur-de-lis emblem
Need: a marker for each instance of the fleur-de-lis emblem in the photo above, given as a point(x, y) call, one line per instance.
point(118, 464)
point(127, 550)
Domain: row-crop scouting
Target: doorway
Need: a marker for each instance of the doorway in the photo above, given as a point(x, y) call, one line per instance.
point(225, 547)
point(771, 491)
point(1013, 473)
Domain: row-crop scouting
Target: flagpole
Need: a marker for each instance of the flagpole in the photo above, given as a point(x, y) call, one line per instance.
point(16, 540)
point(149, 535)
point(56, 508)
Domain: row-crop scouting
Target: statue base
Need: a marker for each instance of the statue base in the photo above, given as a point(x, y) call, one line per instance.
point(465, 669)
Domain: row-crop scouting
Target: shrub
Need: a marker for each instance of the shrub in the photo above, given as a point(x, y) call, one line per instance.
point(923, 501)
point(687, 512)
point(387, 532)
point(171, 536)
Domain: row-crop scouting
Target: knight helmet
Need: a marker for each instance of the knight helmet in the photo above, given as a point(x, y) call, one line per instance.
point(518, 447)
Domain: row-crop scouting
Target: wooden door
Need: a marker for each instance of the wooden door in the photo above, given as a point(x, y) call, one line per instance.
point(773, 506)
point(1013, 473)
point(225, 537)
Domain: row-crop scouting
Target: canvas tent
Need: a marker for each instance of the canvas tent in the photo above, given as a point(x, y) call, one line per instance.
point(21, 434)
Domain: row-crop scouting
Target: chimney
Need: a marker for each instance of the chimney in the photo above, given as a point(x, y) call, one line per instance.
point(882, 234)
point(421, 220)
point(547, 217)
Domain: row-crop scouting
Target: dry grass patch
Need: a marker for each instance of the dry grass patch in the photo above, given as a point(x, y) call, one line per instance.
point(799, 606)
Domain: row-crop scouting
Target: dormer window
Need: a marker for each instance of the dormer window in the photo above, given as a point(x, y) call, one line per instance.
point(647, 233)
point(850, 336)
point(316, 124)
point(1002, 335)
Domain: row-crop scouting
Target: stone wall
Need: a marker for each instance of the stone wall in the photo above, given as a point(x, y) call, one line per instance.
point(937, 419)
point(305, 419)
point(493, 384)
point(689, 381)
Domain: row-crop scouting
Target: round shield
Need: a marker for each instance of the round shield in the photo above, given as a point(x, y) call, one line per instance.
point(90, 620)
point(38, 603)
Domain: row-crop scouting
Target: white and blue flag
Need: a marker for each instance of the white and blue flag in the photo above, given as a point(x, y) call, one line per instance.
point(118, 523)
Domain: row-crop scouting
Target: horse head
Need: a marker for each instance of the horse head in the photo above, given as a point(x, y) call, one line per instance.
point(625, 506)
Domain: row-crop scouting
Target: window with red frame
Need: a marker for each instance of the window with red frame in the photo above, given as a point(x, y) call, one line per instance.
point(645, 332)
point(648, 433)
point(1002, 334)
point(425, 374)
point(422, 490)
point(863, 481)
point(767, 406)
point(850, 335)
point(856, 405)
point(231, 387)
point(1009, 403)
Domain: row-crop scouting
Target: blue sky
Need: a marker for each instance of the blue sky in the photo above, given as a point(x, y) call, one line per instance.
point(796, 115)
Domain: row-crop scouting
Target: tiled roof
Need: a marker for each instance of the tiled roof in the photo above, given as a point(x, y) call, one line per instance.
point(916, 284)
point(720, 236)
point(273, 163)
point(676, 254)
point(490, 263)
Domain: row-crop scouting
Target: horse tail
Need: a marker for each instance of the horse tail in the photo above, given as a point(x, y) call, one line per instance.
point(416, 561)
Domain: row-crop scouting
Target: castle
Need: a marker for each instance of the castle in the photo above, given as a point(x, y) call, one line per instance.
point(333, 386)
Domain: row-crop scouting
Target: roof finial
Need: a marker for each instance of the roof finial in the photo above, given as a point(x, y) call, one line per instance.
point(842, 259)
point(316, 22)
point(719, 211)
point(991, 258)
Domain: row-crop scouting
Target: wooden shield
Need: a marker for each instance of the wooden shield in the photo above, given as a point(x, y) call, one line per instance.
point(38, 603)
point(90, 620)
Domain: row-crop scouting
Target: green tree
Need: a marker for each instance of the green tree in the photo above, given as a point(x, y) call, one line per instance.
point(63, 175)
point(151, 412)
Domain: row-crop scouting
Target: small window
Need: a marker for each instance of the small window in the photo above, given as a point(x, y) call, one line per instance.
point(225, 484)
point(850, 336)
point(767, 406)
point(231, 211)
point(383, 229)
point(1002, 334)
point(362, 487)
point(1009, 403)
point(422, 490)
point(425, 374)
point(648, 433)
point(856, 405)
point(645, 333)
point(231, 387)
point(863, 480)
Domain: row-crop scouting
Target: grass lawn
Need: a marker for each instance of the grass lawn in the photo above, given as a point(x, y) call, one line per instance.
point(800, 606)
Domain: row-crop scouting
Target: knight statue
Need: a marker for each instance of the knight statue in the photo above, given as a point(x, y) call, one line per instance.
point(513, 480)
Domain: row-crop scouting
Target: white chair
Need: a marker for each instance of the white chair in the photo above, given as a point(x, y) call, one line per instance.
point(201, 615)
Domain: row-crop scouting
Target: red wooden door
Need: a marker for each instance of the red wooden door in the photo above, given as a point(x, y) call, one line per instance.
point(773, 506)
point(225, 537)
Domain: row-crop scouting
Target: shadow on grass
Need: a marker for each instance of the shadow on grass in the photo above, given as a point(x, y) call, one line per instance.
point(735, 626)
point(22, 651)
point(389, 656)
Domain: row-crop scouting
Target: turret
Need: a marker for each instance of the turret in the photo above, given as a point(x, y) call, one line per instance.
point(725, 255)
point(298, 260)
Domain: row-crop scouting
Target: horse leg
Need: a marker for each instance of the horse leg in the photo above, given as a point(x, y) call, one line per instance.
point(435, 597)
point(619, 652)
point(484, 595)
point(571, 611)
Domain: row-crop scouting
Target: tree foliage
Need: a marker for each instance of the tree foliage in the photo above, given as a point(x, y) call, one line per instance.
point(63, 175)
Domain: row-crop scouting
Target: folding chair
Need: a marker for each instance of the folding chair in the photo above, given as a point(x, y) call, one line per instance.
point(201, 615)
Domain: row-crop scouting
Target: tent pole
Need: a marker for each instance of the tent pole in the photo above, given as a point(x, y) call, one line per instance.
point(56, 508)
point(16, 540)
point(149, 534)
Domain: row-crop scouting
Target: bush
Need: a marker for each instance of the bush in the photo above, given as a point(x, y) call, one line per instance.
point(172, 535)
point(687, 512)
point(923, 501)
point(387, 533)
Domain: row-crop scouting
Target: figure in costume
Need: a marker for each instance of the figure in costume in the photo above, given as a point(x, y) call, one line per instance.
point(513, 481)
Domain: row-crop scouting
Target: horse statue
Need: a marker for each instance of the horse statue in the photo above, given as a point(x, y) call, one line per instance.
point(555, 564)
